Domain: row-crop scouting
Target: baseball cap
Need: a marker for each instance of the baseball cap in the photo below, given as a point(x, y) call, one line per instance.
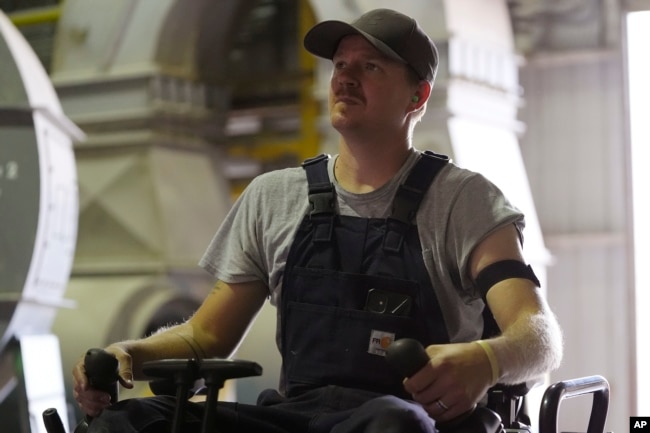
point(396, 35)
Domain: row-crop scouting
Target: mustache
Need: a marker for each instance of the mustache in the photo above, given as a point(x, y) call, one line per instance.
point(343, 93)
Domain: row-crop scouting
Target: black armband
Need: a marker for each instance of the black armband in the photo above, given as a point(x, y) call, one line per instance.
point(502, 270)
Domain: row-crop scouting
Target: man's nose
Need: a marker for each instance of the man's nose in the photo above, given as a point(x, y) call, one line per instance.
point(347, 78)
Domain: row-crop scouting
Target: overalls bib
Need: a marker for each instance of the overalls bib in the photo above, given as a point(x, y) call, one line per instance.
point(353, 285)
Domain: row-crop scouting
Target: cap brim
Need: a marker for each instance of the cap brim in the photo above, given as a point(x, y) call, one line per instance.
point(323, 39)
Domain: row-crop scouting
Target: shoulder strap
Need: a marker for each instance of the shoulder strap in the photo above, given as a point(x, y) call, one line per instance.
point(410, 193)
point(321, 196)
point(321, 190)
point(409, 196)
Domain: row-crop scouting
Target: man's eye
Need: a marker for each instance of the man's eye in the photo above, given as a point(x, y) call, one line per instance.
point(371, 67)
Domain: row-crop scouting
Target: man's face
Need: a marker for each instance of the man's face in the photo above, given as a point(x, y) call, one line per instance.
point(368, 91)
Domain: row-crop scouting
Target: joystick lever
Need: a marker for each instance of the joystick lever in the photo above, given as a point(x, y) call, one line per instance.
point(408, 356)
point(102, 370)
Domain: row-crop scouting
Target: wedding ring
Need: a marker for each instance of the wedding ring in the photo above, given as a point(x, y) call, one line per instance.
point(441, 405)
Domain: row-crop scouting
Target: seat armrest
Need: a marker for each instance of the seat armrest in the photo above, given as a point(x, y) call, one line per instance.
point(172, 376)
point(170, 368)
point(172, 373)
point(229, 368)
point(550, 407)
point(193, 369)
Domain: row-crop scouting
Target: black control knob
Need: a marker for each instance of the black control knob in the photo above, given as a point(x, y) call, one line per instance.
point(407, 356)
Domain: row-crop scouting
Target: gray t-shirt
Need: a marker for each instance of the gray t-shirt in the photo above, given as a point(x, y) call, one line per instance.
point(459, 210)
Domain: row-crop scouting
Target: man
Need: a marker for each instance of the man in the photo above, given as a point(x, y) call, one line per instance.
point(378, 243)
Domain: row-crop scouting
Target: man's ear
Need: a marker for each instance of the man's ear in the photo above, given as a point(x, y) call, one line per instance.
point(422, 94)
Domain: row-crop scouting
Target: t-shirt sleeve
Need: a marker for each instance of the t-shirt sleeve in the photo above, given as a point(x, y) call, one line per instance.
point(478, 210)
point(234, 255)
point(254, 239)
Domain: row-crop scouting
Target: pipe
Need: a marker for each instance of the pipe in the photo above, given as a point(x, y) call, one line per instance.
point(35, 16)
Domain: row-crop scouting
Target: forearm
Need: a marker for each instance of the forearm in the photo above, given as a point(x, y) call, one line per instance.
point(214, 330)
point(529, 348)
point(180, 341)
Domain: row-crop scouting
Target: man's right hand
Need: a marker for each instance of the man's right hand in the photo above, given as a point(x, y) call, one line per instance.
point(91, 400)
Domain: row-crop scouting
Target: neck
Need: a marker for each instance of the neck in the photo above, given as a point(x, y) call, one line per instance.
point(361, 169)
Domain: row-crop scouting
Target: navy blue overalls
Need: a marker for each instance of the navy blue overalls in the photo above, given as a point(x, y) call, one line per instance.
point(353, 285)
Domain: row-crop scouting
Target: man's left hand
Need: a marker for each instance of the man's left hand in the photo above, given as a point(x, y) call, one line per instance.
point(456, 377)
